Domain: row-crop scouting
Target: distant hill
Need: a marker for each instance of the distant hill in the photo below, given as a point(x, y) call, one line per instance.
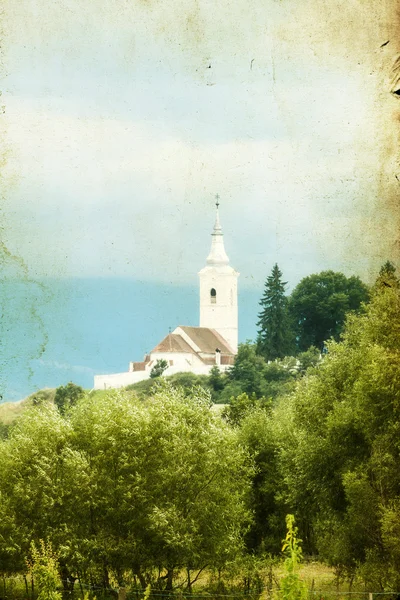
point(9, 411)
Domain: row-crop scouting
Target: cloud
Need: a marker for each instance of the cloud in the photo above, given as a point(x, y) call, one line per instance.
point(54, 364)
point(99, 196)
point(119, 135)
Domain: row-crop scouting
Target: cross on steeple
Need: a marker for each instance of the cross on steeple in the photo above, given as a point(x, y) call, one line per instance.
point(217, 200)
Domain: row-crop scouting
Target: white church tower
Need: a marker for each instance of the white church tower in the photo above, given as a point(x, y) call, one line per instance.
point(218, 290)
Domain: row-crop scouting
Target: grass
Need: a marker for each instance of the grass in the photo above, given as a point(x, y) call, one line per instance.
point(9, 411)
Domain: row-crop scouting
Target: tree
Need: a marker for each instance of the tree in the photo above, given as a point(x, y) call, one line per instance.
point(340, 455)
point(246, 374)
point(319, 304)
point(238, 408)
point(67, 396)
point(164, 484)
point(215, 379)
point(274, 336)
point(257, 434)
point(387, 276)
point(32, 470)
point(159, 368)
point(125, 488)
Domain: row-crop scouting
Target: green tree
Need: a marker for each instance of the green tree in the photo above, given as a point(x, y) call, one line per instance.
point(159, 368)
point(274, 336)
point(279, 378)
point(164, 485)
point(123, 487)
point(319, 303)
point(340, 455)
point(67, 396)
point(216, 380)
point(32, 470)
point(387, 276)
point(309, 358)
point(238, 408)
point(185, 380)
point(246, 374)
point(257, 434)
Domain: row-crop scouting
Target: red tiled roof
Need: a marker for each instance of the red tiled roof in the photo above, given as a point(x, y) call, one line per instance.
point(204, 338)
point(173, 343)
point(139, 366)
point(208, 340)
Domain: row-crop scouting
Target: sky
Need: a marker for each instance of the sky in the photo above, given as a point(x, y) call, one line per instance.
point(121, 121)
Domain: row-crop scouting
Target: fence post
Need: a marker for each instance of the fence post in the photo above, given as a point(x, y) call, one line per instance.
point(370, 596)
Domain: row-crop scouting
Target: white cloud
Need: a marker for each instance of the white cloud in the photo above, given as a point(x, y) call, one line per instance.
point(100, 196)
point(120, 133)
point(54, 364)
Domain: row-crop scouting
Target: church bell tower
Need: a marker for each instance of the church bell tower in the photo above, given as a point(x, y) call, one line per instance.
point(218, 290)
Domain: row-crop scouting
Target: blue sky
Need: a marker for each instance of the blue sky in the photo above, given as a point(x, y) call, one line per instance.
point(123, 120)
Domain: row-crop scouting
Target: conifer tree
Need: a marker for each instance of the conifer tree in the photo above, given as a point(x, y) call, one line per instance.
point(387, 276)
point(274, 336)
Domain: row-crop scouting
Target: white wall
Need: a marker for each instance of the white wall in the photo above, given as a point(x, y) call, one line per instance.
point(183, 362)
point(118, 380)
point(223, 314)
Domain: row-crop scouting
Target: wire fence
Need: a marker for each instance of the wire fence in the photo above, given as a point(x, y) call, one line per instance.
point(18, 591)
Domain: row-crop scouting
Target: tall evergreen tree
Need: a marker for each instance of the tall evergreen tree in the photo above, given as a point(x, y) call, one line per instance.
point(387, 276)
point(274, 336)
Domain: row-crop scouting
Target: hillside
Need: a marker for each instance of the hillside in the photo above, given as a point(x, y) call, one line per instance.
point(9, 411)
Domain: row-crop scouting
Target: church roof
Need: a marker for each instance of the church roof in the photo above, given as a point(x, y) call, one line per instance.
point(173, 343)
point(217, 256)
point(208, 340)
point(204, 341)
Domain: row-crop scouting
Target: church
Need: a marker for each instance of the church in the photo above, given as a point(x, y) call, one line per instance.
point(196, 349)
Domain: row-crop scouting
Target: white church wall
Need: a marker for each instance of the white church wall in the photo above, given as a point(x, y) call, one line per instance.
point(118, 380)
point(182, 362)
point(220, 312)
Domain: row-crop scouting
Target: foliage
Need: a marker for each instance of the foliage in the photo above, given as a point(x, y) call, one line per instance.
point(43, 568)
point(159, 368)
point(247, 370)
point(274, 336)
point(4, 430)
point(67, 396)
point(387, 276)
point(308, 359)
point(238, 408)
point(216, 382)
point(121, 486)
point(252, 375)
point(291, 586)
point(186, 381)
point(319, 303)
point(142, 389)
point(32, 471)
point(257, 435)
point(340, 454)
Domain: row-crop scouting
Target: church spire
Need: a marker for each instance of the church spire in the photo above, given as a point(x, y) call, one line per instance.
point(217, 254)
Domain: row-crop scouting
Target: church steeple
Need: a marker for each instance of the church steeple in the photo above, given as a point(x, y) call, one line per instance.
point(218, 289)
point(217, 254)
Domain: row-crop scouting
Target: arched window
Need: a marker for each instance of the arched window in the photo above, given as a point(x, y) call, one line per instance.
point(213, 296)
